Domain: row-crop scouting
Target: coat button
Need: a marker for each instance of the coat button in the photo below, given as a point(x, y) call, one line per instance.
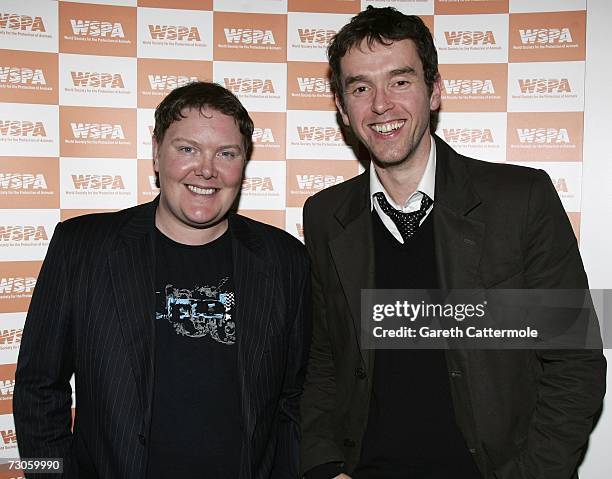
point(455, 374)
point(472, 450)
point(141, 439)
point(348, 442)
point(360, 373)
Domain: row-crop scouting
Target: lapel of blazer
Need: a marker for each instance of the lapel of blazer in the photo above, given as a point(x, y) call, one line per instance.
point(132, 267)
point(353, 254)
point(458, 235)
point(254, 283)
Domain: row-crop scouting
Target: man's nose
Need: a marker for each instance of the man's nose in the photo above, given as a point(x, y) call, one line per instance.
point(381, 101)
point(206, 166)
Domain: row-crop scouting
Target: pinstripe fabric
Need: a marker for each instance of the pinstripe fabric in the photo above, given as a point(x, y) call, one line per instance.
point(92, 314)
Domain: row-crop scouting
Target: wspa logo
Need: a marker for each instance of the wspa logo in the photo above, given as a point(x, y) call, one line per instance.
point(250, 86)
point(263, 186)
point(250, 37)
point(555, 136)
point(10, 286)
point(168, 83)
point(468, 87)
point(308, 86)
point(86, 182)
point(307, 177)
point(468, 135)
point(83, 79)
point(470, 38)
point(316, 134)
point(474, 87)
point(465, 38)
point(22, 76)
point(22, 128)
point(320, 135)
point(318, 182)
point(309, 34)
point(97, 131)
point(98, 29)
point(28, 77)
point(91, 30)
point(174, 33)
point(158, 77)
point(26, 182)
point(318, 36)
point(257, 184)
point(24, 23)
point(550, 36)
point(22, 234)
point(544, 85)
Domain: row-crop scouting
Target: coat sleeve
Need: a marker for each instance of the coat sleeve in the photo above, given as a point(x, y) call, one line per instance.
point(572, 382)
point(42, 395)
point(318, 401)
point(287, 451)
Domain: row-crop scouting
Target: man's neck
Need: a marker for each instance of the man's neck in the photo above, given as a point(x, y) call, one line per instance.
point(401, 181)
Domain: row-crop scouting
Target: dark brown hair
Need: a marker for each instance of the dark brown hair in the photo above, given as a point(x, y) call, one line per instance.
point(200, 95)
point(384, 26)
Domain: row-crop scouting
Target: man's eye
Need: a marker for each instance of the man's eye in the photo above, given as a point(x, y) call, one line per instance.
point(402, 83)
point(187, 149)
point(360, 90)
point(227, 154)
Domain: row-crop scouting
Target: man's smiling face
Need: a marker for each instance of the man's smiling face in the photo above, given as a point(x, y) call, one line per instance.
point(386, 101)
point(200, 163)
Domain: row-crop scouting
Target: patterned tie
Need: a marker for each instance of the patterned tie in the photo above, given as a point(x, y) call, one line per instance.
point(407, 223)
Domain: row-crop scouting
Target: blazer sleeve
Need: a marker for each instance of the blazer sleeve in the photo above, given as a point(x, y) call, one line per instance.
point(287, 450)
point(318, 401)
point(42, 394)
point(572, 382)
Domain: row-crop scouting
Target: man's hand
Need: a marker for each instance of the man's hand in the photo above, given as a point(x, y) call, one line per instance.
point(342, 476)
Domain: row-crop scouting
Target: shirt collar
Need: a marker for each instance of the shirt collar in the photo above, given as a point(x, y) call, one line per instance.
point(427, 183)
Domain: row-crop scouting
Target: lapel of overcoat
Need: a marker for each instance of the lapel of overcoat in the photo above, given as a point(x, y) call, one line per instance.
point(352, 251)
point(256, 292)
point(132, 268)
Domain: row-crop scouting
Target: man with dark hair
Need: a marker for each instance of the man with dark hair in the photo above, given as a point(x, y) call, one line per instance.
point(425, 217)
point(184, 324)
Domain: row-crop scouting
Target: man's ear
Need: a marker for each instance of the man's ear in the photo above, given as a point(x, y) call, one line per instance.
point(155, 148)
point(436, 94)
point(340, 107)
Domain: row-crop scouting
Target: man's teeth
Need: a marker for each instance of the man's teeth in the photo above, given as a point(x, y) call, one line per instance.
point(200, 191)
point(387, 127)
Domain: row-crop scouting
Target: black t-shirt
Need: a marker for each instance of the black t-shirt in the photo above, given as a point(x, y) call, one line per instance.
point(196, 419)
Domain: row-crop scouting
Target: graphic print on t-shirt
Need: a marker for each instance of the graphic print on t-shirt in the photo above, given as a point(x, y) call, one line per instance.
point(201, 311)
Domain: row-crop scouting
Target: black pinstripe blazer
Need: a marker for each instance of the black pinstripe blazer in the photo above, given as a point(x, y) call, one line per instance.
point(92, 315)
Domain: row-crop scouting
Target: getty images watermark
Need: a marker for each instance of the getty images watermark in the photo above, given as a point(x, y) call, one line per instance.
point(485, 319)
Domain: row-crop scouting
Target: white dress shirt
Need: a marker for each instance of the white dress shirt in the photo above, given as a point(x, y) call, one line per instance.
point(427, 185)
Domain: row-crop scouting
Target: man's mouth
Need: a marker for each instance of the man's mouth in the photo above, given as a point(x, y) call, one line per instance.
point(388, 127)
point(201, 191)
